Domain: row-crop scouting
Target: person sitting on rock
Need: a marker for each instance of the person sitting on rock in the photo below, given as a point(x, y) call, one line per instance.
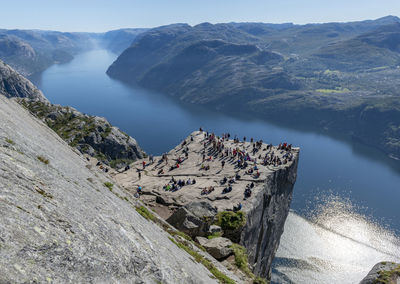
point(189, 182)
point(257, 174)
point(237, 177)
point(139, 189)
point(160, 172)
point(224, 180)
point(193, 181)
point(238, 207)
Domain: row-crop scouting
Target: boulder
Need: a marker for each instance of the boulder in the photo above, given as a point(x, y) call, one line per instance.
point(193, 219)
point(219, 248)
point(214, 229)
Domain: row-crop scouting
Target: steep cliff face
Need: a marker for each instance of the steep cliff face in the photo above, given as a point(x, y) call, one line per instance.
point(12, 84)
point(61, 224)
point(266, 217)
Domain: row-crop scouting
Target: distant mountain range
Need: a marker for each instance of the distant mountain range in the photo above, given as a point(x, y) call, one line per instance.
point(337, 76)
point(32, 51)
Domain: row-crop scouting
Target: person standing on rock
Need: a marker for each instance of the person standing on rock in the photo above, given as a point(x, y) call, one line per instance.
point(223, 164)
point(139, 174)
point(144, 164)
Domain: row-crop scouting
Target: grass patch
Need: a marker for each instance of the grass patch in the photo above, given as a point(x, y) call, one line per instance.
point(109, 185)
point(145, 213)
point(241, 259)
point(386, 277)
point(43, 160)
point(200, 259)
point(9, 141)
point(214, 235)
point(181, 234)
point(229, 220)
point(242, 262)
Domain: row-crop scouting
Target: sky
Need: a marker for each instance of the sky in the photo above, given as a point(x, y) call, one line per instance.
point(103, 15)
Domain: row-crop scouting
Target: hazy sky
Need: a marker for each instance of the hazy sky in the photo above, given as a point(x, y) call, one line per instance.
point(102, 15)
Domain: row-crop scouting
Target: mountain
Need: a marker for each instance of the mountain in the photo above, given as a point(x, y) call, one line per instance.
point(32, 51)
point(12, 84)
point(118, 40)
point(378, 48)
point(335, 76)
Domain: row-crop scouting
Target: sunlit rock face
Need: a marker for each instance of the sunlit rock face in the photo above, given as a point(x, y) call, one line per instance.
point(61, 224)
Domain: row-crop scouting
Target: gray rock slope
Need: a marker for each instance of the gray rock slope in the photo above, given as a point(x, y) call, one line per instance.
point(12, 84)
point(60, 224)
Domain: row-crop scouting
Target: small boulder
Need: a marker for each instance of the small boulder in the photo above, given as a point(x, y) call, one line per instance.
point(193, 219)
point(214, 229)
point(219, 248)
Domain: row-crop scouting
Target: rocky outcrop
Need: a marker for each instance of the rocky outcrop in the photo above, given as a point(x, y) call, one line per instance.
point(12, 84)
point(91, 135)
point(383, 272)
point(222, 184)
point(61, 224)
point(219, 248)
point(194, 218)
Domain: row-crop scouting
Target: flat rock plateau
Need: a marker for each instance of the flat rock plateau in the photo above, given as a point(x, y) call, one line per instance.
point(200, 159)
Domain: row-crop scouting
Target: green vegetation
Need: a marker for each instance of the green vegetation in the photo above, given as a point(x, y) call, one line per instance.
point(181, 234)
point(43, 160)
point(200, 259)
point(214, 235)
point(109, 185)
point(73, 128)
point(145, 213)
point(241, 259)
point(229, 220)
point(387, 277)
point(9, 141)
point(242, 262)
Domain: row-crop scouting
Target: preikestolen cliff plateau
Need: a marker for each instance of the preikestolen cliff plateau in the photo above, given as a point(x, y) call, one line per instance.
point(200, 142)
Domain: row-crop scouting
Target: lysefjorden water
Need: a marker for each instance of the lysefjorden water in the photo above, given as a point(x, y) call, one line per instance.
point(346, 199)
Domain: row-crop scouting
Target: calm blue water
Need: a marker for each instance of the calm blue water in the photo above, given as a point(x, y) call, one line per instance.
point(329, 168)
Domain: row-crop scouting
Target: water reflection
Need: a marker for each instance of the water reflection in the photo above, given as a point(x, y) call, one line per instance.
point(336, 245)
